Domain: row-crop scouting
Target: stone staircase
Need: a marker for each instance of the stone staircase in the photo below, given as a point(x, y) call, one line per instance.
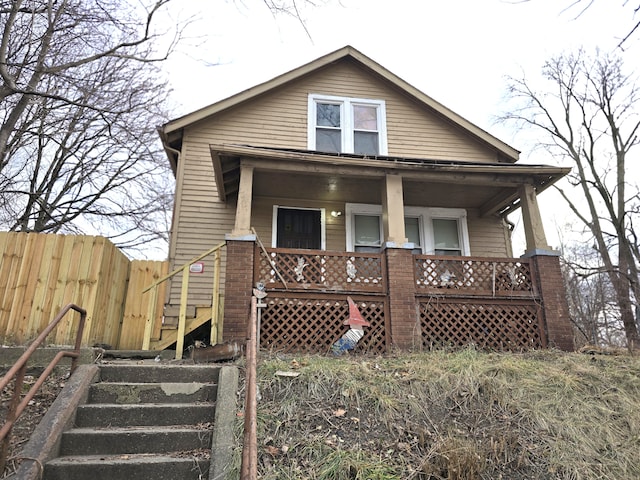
point(143, 421)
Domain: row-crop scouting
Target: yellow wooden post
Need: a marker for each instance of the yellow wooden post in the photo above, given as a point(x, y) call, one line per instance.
point(182, 316)
point(151, 314)
point(216, 332)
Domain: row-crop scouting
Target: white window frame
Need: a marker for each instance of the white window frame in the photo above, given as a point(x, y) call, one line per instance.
point(458, 214)
point(425, 216)
point(346, 120)
point(352, 209)
point(274, 224)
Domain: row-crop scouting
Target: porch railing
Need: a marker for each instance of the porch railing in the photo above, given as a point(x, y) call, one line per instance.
point(322, 270)
point(494, 277)
point(493, 303)
point(309, 289)
point(184, 292)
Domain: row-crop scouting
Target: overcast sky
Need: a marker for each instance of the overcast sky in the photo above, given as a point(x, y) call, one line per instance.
point(456, 51)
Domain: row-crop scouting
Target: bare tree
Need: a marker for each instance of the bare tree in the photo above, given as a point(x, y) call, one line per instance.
point(591, 298)
point(80, 95)
point(590, 116)
point(581, 6)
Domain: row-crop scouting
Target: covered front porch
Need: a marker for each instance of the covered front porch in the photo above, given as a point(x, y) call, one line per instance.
point(415, 292)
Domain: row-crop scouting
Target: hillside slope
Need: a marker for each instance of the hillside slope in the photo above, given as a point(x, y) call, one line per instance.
point(464, 415)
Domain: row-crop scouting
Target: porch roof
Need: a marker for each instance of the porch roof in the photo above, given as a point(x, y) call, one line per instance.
point(495, 185)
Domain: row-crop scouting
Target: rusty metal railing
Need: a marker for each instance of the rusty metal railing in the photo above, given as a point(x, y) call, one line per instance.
point(19, 369)
point(249, 467)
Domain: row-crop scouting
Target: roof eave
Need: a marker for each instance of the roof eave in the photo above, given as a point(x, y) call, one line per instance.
point(506, 150)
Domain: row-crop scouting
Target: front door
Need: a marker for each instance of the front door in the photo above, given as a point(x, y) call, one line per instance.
point(298, 228)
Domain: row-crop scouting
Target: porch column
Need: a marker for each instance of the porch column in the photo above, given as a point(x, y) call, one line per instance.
point(533, 229)
point(403, 312)
point(242, 225)
point(238, 289)
point(554, 301)
point(393, 211)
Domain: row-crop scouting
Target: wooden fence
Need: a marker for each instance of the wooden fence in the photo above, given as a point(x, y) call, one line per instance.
point(41, 273)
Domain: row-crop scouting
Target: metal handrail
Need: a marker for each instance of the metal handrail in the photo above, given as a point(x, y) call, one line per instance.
point(182, 316)
point(19, 370)
point(249, 465)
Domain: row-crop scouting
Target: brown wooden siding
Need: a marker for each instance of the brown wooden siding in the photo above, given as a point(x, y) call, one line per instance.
point(411, 131)
point(486, 236)
point(279, 119)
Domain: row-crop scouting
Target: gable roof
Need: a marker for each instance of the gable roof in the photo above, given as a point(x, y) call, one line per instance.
point(172, 128)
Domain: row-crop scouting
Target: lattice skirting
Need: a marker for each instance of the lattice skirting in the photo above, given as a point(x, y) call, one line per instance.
point(298, 324)
point(489, 325)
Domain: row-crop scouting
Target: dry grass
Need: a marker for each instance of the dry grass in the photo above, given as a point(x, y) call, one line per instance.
point(461, 415)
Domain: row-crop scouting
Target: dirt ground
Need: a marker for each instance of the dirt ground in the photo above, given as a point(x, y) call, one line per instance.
point(32, 415)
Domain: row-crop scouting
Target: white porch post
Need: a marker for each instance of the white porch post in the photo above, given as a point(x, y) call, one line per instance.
point(242, 224)
point(393, 211)
point(533, 229)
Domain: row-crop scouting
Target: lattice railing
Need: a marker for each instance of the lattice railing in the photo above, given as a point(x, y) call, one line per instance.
point(492, 326)
point(307, 324)
point(474, 276)
point(321, 270)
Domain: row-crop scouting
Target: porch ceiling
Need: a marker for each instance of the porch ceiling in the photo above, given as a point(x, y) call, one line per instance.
point(351, 189)
point(490, 188)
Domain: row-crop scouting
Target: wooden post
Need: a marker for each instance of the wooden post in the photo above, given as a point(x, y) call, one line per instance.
point(533, 229)
point(216, 333)
point(242, 224)
point(151, 314)
point(393, 210)
point(182, 316)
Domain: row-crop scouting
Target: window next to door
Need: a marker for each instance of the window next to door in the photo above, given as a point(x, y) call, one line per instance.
point(347, 125)
point(434, 231)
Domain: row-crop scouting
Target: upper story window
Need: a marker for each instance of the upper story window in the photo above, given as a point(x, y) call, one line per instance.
point(347, 125)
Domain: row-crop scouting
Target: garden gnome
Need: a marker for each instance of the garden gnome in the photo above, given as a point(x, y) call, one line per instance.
point(350, 339)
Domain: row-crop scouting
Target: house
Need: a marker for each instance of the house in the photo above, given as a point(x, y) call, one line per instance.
point(340, 179)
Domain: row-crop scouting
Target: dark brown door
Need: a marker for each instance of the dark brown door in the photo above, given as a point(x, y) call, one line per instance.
point(299, 228)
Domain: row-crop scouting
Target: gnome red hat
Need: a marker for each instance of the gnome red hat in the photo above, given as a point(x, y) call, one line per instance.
point(355, 319)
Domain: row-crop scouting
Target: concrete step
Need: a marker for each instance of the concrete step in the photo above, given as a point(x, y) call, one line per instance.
point(168, 392)
point(186, 466)
point(114, 415)
point(134, 440)
point(159, 373)
point(144, 421)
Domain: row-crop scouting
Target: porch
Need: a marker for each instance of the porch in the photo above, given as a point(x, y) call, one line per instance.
point(411, 301)
point(433, 269)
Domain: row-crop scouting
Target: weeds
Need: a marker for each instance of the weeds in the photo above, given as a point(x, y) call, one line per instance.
point(450, 415)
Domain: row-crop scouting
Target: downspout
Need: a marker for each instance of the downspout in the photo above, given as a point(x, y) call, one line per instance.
point(508, 227)
point(172, 242)
point(174, 168)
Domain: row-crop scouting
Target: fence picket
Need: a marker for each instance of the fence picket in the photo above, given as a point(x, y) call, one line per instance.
point(40, 273)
